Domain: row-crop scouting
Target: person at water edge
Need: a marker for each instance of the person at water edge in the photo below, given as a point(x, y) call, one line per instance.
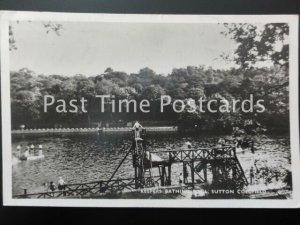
point(255, 165)
point(61, 184)
point(252, 146)
point(180, 179)
point(137, 127)
point(187, 145)
point(52, 186)
point(46, 187)
point(238, 141)
point(221, 143)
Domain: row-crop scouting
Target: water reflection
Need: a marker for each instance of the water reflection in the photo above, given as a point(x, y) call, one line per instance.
point(86, 157)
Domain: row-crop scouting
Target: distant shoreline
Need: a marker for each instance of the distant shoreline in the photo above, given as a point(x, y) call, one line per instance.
point(91, 130)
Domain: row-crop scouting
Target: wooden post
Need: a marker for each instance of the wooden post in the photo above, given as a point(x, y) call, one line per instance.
point(205, 172)
point(136, 178)
point(100, 186)
point(192, 173)
point(225, 170)
point(183, 172)
point(234, 173)
point(25, 192)
point(234, 151)
point(213, 170)
point(162, 177)
point(252, 146)
point(169, 171)
point(165, 176)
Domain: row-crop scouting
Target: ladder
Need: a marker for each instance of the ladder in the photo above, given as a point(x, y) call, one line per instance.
point(144, 174)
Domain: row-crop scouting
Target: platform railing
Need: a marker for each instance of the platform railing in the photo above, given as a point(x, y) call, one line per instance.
point(180, 155)
point(87, 189)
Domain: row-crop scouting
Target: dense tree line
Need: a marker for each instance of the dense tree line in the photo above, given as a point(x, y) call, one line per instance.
point(254, 45)
point(270, 84)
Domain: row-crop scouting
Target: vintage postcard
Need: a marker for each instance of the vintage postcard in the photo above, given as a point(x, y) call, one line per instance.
point(119, 110)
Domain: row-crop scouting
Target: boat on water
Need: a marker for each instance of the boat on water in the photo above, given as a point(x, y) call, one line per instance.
point(31, 157)
point(31, 153)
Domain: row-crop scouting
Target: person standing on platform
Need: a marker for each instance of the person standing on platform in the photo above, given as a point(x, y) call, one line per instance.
point(52, 186)
point(187, 145)
point(46, 187)
point(137, 127)
point(61, 184)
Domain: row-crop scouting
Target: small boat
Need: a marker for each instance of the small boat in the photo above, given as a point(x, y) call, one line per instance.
point(31, 157)
point(30, 153)
point(35, 157)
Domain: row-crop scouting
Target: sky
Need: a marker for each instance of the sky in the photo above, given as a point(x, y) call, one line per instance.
point(90, 47)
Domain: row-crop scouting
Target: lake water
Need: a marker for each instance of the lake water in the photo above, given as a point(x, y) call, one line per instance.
point(90, 157)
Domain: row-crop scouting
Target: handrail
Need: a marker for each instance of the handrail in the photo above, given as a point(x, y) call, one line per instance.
point(94, 182)
point(191, 150)
point(105, 184)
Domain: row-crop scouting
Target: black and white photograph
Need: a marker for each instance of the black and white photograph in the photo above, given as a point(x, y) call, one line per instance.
point(149, 110)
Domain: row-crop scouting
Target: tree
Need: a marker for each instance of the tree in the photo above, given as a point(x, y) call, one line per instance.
point(196, 93)
point(119, 78)
point(269, 84)
point(49, 27)
point(153, 92)
point(108, 70)
point(259, 45)
point(26, 97)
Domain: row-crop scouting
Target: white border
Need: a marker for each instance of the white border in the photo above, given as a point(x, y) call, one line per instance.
point(292, 20)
